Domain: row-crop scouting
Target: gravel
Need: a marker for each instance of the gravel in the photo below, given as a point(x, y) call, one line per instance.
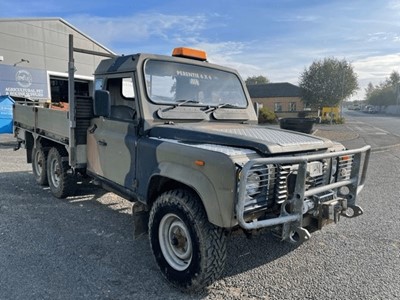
point(83, 248)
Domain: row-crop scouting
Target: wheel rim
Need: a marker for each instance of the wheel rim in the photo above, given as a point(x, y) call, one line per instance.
point(175, 242)
point(55, 173)
point(38, 163)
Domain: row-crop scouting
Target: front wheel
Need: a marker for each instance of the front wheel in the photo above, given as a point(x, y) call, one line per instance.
point(61, 183)
point(189, 250)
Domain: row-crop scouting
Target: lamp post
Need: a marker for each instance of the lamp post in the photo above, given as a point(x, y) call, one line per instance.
point(397, 98)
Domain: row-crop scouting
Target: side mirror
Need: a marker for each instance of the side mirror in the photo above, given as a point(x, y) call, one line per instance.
point(102, 103)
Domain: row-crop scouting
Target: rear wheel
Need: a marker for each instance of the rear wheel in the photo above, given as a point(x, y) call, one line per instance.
point(189, 250)
point(39, 169)
point(62, 184)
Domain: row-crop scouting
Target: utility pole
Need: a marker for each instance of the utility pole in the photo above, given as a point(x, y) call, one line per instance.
point(398, 98)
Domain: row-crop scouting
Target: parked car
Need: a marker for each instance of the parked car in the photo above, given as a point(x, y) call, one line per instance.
point(370, 109)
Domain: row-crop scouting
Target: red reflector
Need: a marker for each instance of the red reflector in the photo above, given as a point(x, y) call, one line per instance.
point(200, 163)
point(346, 157)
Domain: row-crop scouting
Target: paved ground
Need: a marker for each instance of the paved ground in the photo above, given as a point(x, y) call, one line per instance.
point(339, 133)
point(351, 136)
point(82, 247)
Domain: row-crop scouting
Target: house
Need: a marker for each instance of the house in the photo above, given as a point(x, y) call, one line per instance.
point(283, 98)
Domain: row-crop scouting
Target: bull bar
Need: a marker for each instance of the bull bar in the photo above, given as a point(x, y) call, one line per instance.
point(293, 221)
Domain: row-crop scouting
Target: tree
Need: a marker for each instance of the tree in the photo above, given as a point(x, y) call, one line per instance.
point(382, 96)
point(327, 82)
point(369, 90)
point(385, 93)
point(394, 78)
point(256, 80)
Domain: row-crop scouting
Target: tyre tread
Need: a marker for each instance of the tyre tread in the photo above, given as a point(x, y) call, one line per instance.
point(212, 238)
point(42, 179)
point(68, 181)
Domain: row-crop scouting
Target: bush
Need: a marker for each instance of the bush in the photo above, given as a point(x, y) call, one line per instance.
point(334, 121)
point(265, 115)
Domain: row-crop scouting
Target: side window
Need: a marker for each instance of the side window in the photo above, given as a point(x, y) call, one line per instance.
point(98, 84)
point(292, 106)
point(277, 106)
point(122, 94)
point(127, 88)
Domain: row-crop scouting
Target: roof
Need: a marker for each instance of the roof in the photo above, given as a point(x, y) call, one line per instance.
point(6, 97)
point(270, 90)
point(62, 21)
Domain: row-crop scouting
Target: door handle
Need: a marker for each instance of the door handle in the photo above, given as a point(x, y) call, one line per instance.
point(102, 143)
point(93, 129)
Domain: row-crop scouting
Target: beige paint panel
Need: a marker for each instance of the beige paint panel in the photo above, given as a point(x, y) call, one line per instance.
point(215, 182)
point(113, 161)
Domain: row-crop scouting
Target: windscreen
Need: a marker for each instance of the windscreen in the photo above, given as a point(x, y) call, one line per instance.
point(173, 83)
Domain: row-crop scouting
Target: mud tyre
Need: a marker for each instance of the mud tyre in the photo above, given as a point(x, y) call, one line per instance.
point(62, 184)
point(39, 165)
point(189, 250)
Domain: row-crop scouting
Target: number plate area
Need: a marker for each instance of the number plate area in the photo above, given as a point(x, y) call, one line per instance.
point(315, 168)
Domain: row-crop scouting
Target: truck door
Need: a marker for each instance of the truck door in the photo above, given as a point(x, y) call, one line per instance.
point(111, 146)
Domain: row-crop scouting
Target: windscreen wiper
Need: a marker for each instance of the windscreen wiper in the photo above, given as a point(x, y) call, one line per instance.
point(179, 103)
point(183, 101)
point(222, 105)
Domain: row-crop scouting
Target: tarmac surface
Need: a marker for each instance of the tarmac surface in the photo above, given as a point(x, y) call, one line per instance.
point(82, 247)
point(351, 137)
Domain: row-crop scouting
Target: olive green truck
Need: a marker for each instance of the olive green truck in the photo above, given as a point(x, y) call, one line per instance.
point(179, 137)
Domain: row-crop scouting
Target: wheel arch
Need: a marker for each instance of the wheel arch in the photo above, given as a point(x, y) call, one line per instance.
point(182, 177)
point(34, 140)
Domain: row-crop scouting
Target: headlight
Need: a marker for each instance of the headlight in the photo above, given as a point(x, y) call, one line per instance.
point(253, 183)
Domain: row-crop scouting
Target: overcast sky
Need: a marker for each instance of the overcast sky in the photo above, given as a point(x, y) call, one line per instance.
point(277, 39)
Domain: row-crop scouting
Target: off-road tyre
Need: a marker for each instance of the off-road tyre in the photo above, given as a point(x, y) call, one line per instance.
point(62, 183)
point(189, 250)
point(39, 165)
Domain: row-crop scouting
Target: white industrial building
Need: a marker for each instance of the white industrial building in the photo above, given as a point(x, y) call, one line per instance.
point(34, 59)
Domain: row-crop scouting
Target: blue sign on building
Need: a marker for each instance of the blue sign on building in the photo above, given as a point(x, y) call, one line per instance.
point(23, 82)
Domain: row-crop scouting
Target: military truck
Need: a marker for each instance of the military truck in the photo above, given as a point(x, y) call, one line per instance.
point(179, 137)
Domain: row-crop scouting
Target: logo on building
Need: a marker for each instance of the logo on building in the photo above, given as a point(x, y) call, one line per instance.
point(23, 78)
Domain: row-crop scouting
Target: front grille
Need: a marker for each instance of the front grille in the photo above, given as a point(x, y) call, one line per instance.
point(275, 183)
point(281, 190)
point(286, 179)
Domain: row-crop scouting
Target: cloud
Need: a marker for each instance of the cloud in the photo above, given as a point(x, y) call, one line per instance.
point(141, 27)
point(300, 18)
point(383, 36)
point(377, 67)
point(374, 69)
point(275, 40)
point(394, 5)
point(230, 54)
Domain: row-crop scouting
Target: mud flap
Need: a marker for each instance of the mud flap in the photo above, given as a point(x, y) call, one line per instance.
point(140, 216)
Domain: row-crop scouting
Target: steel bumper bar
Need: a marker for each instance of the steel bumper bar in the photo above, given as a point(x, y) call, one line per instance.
point(356, 183)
